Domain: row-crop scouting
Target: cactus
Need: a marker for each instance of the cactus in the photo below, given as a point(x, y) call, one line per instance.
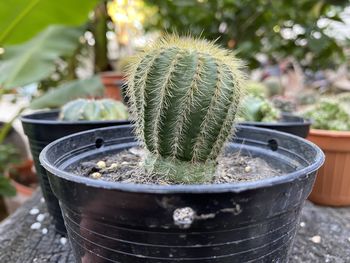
point(89, 110)
point(259, 109)
point(184, 95)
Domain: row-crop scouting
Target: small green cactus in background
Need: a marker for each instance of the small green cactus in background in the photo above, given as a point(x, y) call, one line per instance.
point(92, 110)
point(185, 96)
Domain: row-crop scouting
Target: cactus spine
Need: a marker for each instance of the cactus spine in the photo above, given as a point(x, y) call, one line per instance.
point(184, 97)
point(89, 110)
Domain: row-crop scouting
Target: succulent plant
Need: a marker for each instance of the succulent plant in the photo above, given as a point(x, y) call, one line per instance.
point(344, 98)
point(257, 89)
point(89, 110)
point(330, 114)
point(184, 95)
point(259, 109)
point(284, 104)
point(274, 86)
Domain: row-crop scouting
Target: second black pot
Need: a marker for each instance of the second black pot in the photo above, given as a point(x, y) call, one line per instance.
point(217, 223)
point(288, 123)
point(44, 127)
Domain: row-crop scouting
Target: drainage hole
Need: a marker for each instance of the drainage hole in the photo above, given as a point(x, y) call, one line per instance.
point(272, 144)
point(99, 142)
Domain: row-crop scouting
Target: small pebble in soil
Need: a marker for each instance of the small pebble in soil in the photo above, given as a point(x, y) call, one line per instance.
point(63, 240)
point(101, 164)
point(40, 217)
point(316, 239)
point(113, 166)
point(349, 239)
point(302, 224)
point(248, 169)
point(44, 231)
point(34, 211)
point(42, 200)
point(36, 225)
point(95, 175)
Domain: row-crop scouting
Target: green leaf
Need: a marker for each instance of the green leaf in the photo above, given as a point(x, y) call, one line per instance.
point(22, 19)
point(34, 60)
point(70, 90)
point(6, 188)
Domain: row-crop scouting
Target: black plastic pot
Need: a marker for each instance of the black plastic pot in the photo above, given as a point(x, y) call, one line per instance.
point(289, 123)
point(225, 223)
point(43, 128)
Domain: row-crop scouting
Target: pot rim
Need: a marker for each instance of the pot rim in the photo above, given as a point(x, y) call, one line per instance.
point(330, 133)
point(303, 122)
point(193, 188)
point(30, 118)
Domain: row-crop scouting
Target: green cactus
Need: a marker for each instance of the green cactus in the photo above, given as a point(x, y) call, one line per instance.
point(259, 109)
point(184, 95)
point(91, 110)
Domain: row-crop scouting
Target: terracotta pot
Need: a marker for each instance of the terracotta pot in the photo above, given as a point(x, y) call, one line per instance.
point(113, 83)
point(23, 178)
point(332, 186)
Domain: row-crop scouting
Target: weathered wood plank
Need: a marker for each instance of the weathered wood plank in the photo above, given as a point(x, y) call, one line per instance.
point(324, 236)
point(24, 238)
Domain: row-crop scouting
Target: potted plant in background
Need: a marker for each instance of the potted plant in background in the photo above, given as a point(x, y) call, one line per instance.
point(8, 156)
point(331, 132)
point(16, 167)
point(259, 111)
point(174, 203)
point(23, 177)
point(44, 127)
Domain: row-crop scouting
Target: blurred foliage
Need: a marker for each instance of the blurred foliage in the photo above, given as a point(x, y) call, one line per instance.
point(67, 91)
point(50, 52)
point(330, 114)
point(260, 109)
point(22, 19)
point(8, 156)
point(276, 28)
point(34, 60)
point(256, 89)
point(284, 104)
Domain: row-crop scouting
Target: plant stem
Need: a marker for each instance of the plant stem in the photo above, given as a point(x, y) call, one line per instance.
point(99, 31)
point(7, 126)
point(72, 64)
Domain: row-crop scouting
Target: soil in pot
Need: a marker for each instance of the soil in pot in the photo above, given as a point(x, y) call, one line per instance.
point(126, 167)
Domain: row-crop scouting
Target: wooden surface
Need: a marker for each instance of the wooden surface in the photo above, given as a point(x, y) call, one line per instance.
point(28, 236)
